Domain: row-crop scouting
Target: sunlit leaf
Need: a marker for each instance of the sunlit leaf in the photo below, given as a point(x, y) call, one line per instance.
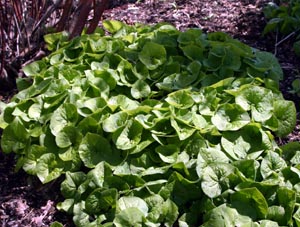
point(152, 55)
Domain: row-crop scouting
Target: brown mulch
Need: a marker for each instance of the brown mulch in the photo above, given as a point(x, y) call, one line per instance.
point(25, 202)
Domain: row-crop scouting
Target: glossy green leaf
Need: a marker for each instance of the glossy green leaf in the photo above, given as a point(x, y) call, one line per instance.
point(286, 199)
point(180, 99)
point(250, 202)
point(101, 201)
point(168, 153)
point(49, 167)
point(258, 100)
point(130, 202)
point(131, 216)
point(272, 163)
point(266, 61)
point(63, 116)
point(235, 146)
point(140, 89)
point(95, 149)
point(34, 68)
point(31, 160)
point(113, 26)
point(296, 217)
point(230, 117)
point(193, 52)
point(207, 156)
point(15, 137)
point(69, 187)
point(226, 216)
point(115, 121)
point(129, 136)
point(215, 179)
point(68, 136)
point(285, 113)
point(98, 45)
point(152, 55)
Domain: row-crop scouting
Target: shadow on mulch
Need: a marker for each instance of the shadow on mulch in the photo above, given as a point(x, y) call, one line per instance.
point(25, 201)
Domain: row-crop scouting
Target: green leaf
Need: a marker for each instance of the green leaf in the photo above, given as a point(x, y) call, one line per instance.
point(250, 202)
point(296, 87)
point(235, 146)
point(268, 63)
point(113, 26)
point(68, 136)
point(49, 167)
point(130, 202)
point(81, 218)
point(215, 179)
point(94, 149)
point(72, 53)
point(230, 117)
point(153, 55)
point(249, 168)
point(276, 213)
point(115, 121)
point(289, 150)
point(99, 44)
point(168, 153)
point(296, 48)
point(63, 116)
point(243, 143)
point(257, 99)
point(272, 25)
point(207, 101)
point(101, 201)
point(183, 131)
point(296, 217)
point(69, 187)
point(267, 223)
point(56, 224)
point(272, 163)
point(180, 99)
point(193, 35)
point(129, 136)
point(193, 52)
point(225, 216)
point(215, 57)
point(285, 113)
point(123, 102)
point(15, 137)
point(54, 40)
point(140, 89)
point(170, 212)
point(34, 68)
point(91, 106)
point(207, 156)
point(286, 199)
point(35, 111)
point(131, 216)
point(32, 157)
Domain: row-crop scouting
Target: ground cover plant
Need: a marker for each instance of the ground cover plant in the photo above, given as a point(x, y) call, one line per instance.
point(135, 119)
point(284, 21)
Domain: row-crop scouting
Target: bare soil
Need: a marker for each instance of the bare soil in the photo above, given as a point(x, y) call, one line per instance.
point(25, 202)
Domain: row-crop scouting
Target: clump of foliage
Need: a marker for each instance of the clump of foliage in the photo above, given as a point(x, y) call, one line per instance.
point(284, 19)
point(150, 126)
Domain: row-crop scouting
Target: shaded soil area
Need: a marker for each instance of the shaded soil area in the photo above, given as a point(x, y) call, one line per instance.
point(24, 201)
